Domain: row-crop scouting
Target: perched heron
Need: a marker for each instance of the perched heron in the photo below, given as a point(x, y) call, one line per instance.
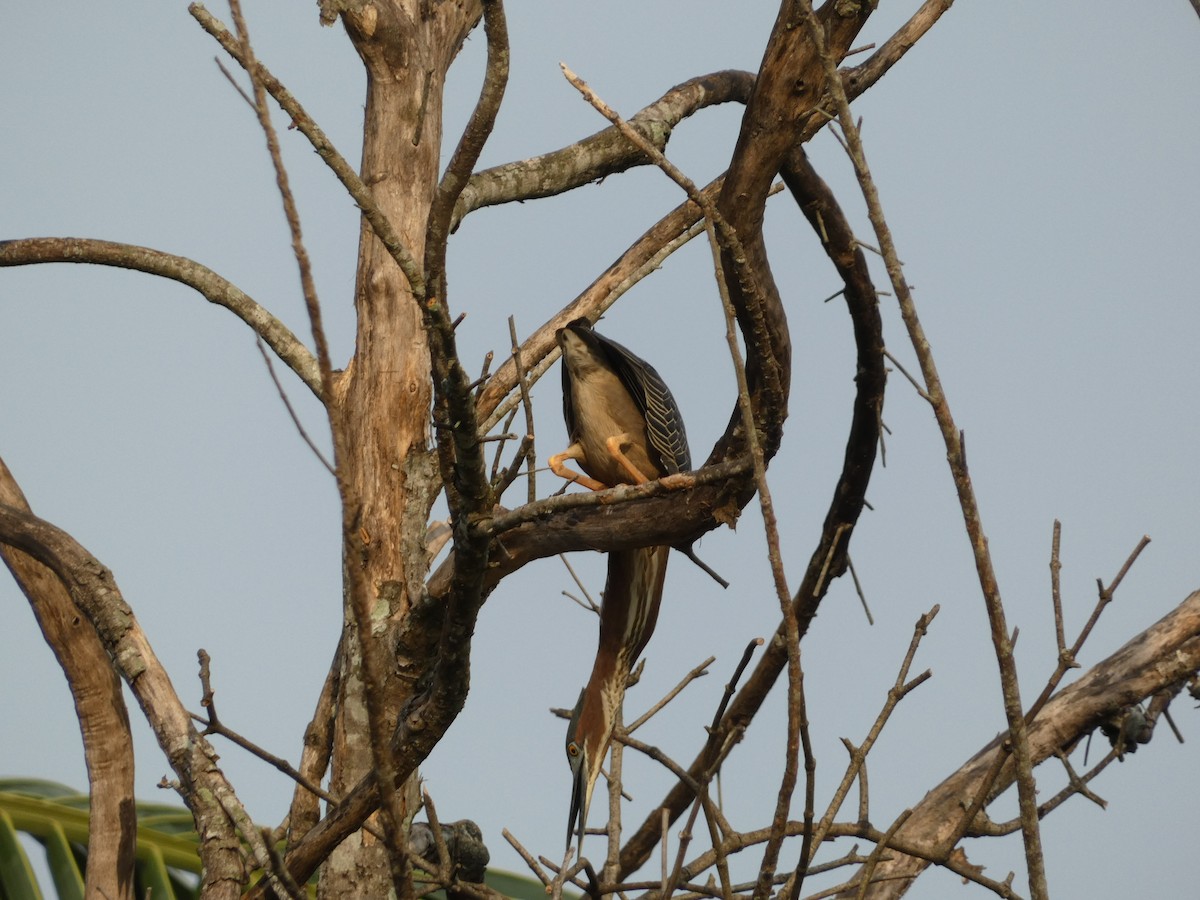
point(624, 428)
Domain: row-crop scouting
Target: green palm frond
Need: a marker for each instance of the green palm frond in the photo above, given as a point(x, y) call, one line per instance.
point(57, 818)
point(168, 861)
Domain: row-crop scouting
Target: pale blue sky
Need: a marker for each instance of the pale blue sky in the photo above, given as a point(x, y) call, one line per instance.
point(1038, 166)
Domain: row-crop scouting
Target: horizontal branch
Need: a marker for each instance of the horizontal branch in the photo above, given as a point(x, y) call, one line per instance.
point(214, 288)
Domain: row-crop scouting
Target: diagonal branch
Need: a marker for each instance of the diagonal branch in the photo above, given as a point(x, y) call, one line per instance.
point(604, 153)
point(858, 79)
point(1162, 655)
point(203, 786)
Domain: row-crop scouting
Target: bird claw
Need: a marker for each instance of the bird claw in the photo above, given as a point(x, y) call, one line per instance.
point(616, 444)
point(557, 467)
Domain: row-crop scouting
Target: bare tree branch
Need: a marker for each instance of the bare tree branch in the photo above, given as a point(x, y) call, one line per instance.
point(604, 153)
point(1165, 653)
point(100, 708)
point(956, 457)
point(213, 287)
point(202, 784)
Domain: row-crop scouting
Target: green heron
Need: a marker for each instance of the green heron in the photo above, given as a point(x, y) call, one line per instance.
point(624, 428)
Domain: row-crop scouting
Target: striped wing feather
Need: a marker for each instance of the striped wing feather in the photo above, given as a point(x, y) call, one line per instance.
point(654, 400)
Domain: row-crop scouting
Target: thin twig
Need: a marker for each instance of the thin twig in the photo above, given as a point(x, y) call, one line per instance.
point(911, 380)
point(237, 87)
point(527, 856)
point(528, 404)
point(591, 604)
point(1067, 657)
point(858, 589)
point(291, 411)
point(1010, 689)
point(495, 479)
point(1056, 593)
point(731, 685)
point(687, 679)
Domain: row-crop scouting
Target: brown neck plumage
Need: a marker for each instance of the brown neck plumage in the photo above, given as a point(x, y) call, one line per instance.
point(632, 595)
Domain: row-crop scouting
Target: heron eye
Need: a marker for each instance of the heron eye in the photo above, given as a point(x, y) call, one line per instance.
point(572, 749)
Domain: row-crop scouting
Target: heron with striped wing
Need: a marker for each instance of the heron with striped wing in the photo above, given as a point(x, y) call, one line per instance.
point(625, 428)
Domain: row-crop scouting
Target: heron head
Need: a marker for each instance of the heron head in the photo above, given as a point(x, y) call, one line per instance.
point(588, 738)
point(579, 347)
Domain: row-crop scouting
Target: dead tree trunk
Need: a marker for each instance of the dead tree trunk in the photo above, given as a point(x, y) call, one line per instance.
point(384, 396)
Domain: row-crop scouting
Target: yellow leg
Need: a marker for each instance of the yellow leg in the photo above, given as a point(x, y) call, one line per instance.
point(574, 452)
point(615, 445)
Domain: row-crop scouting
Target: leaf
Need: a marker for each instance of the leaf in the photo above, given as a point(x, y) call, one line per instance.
point(57, 817)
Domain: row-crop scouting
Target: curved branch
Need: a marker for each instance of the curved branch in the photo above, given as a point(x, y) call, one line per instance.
point(202, 785)
point(789, 86)
point(603, 153)
point(100, 708)
point(214, 288)
point(830, 558)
